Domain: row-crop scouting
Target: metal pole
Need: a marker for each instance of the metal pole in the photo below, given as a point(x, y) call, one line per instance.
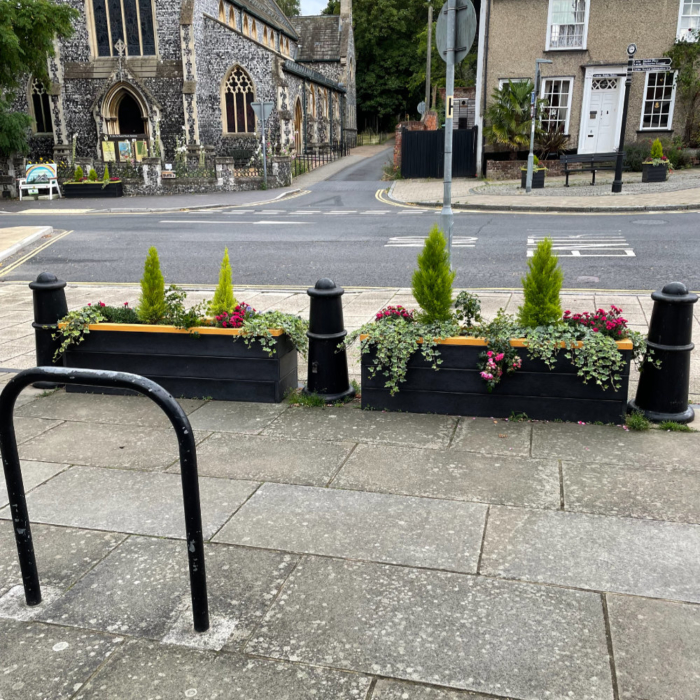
point(446, 216)
point(533, 126)
point(429, 61)
point(617, 182)
point(264, 149)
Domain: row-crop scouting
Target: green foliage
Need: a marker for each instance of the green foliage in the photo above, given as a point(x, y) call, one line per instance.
point(637, 421)
point(223, 301)
point(76, 327)
point(686, 62)
point(105, 177)
point(541, 288)
point(518, 417)
point(635, 154)
point(290, 8)
point(28, 29)
point(508, 117)
point(92, 175)
point(673, 427)
point(552, 142)
point(257, 327)
point(297, 397)
point(467, 309)
point(657, 150)
point(152, 306)
point(119, 314)
point(432, 281)
point(333, 8)
point(176, 314)
point(79, 175)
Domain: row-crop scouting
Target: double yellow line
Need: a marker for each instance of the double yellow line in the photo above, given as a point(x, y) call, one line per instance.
point(6, 270)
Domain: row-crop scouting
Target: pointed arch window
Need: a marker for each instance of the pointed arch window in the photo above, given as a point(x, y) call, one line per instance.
point(41, 106)
point(232, 18)
point(239, 93)
point(222, 11)
point(246, 27)
point(265, 39)
point(253, 30)
point(129, 21)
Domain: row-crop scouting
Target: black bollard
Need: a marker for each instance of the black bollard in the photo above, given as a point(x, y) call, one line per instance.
point(49, 307)
point(328, 366)
point(662, 393)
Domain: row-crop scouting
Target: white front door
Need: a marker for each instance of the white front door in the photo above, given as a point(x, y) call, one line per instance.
point(601, 130)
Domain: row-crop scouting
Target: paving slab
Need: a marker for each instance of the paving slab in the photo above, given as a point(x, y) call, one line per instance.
point(63, 554)
point(103, 408)
point(105, 446)
point(133, 502)
point(410, 430)
point(236, 417)
point(29, 428)
point(623, 555)
point(33, 474)
point(396, 690)
point(493, 437)
point(659, 493)
point(262, 458)
point(422, 532)
point(657, 648)
point(144, 670)
point(605, 444)
point(447, 629)
point(452, 474)
point(41, 661)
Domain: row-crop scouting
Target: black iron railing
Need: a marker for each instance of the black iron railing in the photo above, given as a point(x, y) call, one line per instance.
point(316, 157)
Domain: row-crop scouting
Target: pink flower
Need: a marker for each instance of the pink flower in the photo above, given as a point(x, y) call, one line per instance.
point(499, 357)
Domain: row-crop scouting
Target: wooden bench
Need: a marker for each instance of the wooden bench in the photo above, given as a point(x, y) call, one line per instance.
point(39, 176)
point(589, 163)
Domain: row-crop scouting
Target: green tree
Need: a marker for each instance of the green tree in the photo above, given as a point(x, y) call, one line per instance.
point(508, 120)
point(223, 301)
point(432, 281)
point(152, 307)
point(28, 29)
point(657, 150)
point(541, 288)
point(79, 174)
point(105, 177)
point(290, 8)
point(333, 8)
point(686, 62)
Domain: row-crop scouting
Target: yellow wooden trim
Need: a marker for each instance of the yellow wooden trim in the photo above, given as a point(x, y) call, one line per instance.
point(144, 328)
point(515, 342)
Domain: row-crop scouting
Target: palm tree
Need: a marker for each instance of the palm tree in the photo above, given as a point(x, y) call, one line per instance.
point(508, 116)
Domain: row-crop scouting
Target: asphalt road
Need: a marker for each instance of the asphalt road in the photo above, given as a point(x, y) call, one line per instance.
point(341, 230)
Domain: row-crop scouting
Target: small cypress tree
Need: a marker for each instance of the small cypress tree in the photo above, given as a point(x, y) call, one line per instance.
point(79, 175)
point(223, 301)
point(105, 177)
point(92, 175)
point(541, 288)
point(657, 150)
point(432, 281)
point(152, 307)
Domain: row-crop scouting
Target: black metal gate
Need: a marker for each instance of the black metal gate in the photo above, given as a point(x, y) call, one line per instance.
point(423, 153)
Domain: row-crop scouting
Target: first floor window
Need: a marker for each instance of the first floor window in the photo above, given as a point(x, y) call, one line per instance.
point(127, 21)
point(239, 93)
point(689, 20)
point(41, 107)
point(659, 91)
point(567, 24)
point(555, 113)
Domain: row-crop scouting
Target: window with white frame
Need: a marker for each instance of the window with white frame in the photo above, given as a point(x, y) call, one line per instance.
point(505, 81)
point(568, 24)
point(555, 113)
point(659, 96)
point(689, 20)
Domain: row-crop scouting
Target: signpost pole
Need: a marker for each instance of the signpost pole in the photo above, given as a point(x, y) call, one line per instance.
point(447, 216)
point(617, 182)
point(264, 148)
point(429, 60)
point(533, 117)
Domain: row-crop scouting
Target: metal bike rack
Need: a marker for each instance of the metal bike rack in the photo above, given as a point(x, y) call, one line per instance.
point(188, 471)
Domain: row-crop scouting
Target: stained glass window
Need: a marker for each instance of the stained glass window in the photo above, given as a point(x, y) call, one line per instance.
point(42, 108)
point(112, 17)
point(148, 42)
point(101, 29)
point(239, 93)
point(131, 21)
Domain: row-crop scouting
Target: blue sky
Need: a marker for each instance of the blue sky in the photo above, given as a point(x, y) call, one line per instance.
point(313, 7)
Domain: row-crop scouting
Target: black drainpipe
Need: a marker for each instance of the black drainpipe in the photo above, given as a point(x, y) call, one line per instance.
point(483, 101)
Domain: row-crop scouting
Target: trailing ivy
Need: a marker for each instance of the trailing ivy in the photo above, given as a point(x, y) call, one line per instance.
point(76, 327)
point(258, 327)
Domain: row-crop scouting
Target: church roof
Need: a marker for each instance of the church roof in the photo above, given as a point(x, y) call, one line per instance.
point(269, 12)
point(321, 37)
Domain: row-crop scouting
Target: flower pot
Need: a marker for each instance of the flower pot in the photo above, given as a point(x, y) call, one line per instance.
point(537, 179)
point(458, 389)
point(654, 173)
point(204, 362)
point(92, 189)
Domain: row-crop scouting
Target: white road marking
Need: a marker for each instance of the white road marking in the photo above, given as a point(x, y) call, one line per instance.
point(240, 211)
point(378, 211)
point(585, 245)
point(419, 241)
point(348, 211)
point(413, 211)
point(307, 211)
point(228, 223)
point(278, 223)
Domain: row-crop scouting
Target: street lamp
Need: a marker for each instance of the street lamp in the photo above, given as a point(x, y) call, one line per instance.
point(533, 114)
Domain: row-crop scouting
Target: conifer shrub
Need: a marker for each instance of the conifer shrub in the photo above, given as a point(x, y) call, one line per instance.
point(432, 281)
point(223, 301)
point(92, 175)
point(79, 175)
point(152, 307)
point(657, 150)
point(541, 287)
point(105, 177)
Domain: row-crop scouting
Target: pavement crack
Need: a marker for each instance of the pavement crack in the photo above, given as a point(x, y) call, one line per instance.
point(611, 654)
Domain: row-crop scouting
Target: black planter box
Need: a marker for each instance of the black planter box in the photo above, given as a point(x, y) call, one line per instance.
point(210, 365)
point(457, 389)
point(537, 179)
point(92, 189)
point(654, 173)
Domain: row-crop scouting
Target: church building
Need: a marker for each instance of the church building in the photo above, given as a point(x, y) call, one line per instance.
point(164, 75)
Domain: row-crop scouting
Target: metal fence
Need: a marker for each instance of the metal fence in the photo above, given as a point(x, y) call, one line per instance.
point(306, 162)
point(423, 153)
point(370, 138)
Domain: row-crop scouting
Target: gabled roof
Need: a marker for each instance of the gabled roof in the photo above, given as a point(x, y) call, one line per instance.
point(320, 37)
point(269, 12)
point(303, 71)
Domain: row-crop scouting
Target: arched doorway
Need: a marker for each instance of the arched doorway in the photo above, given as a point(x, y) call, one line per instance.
point(298, 126)
point(125, 112)
point(129, 117)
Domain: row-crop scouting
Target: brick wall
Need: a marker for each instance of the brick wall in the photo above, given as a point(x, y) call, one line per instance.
point(511, 169)
point(410, 126)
